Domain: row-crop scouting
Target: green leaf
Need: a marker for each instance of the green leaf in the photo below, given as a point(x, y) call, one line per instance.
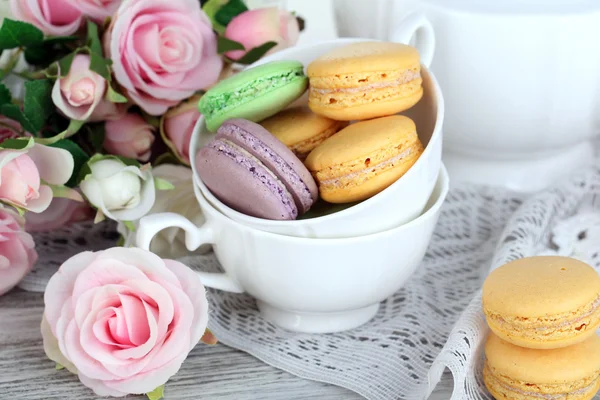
point(59, 367)
point(84, 172)
point(163, 184)
point(224, 44)
point(19, 34)
point(72, 129)
point(115, 97)
point(38, 103)
point(13, 111)
point(121, 241)
point(229, 11)
point(17, 144)
point(5, 95)
point(256, 53)
point(211, 8)
point(20, 210)
point(129, 225)
point(93, 37)
point(80, 158)
point(94, 135)
point(64, 63)
point(157, 393)
point(98, 63)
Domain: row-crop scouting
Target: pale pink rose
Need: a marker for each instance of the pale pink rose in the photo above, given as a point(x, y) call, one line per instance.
point(130, 137)
point(123, 319)
point(108, 111)
point(163, 51)
point(17, 251)
point(53, 17)
point(22, 173)
point(98, 10)
point(78, 94)
point(9, 128)
point(61, 212)
point(177, 126)
point(253, 28)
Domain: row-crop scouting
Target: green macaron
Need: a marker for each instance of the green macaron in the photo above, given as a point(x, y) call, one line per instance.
point(254, 94)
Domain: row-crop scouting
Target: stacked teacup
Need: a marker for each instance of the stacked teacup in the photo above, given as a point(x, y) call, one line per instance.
point(317, 260)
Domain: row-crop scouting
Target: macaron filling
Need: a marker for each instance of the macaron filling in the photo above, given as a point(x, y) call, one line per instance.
point(370, 170)
point(225, 101)
point(406, 77)
point(297, 188)
point(588, 385)
point(553, 327)
point(257, 168)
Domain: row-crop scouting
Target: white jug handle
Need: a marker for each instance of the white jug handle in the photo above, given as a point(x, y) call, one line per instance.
point(195, 237)
point(417, 25)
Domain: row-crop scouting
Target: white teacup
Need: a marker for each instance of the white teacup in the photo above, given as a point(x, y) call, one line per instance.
point(521, 82)
point(401, 202)
point(307, 285)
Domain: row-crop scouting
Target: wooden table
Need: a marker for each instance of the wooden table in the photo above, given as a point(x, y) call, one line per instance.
point(210, 372)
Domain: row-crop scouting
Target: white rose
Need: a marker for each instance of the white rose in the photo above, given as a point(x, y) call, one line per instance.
point(170, 243)
point(119, 191)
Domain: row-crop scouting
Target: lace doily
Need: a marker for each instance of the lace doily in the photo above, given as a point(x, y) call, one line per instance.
point(433, 324)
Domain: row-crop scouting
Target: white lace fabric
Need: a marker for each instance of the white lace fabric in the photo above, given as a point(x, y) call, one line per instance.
point(433, 324)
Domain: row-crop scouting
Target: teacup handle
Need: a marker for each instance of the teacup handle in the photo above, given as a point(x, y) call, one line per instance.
point(195, 237)
point(417, 24)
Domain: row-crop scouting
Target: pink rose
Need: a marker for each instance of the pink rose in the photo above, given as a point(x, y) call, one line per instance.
point(78, 94)
point(9, 129)
point(108, 111)
point(61, 212)
point(53, 17)
point(123, 319)
point(98, 10)
point(17, 251)
point(253, 28)
point(177, 126)
point(163, 51)
point(22, 173)
point(130, 137)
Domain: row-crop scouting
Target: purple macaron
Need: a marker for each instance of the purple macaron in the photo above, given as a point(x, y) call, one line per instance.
point(251, 171)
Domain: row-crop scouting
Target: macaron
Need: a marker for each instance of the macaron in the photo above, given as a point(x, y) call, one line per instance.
point(365, 80)
point(543, 302)
point(301, 130)
point(515, 373)
point(364, 158)
point(254, 94)
point(251, 171)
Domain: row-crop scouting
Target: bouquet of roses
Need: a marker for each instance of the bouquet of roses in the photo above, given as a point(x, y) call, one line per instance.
point(98, 101)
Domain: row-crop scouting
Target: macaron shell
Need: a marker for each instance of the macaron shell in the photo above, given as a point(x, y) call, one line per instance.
point(241, 189)
point(261, 106)
point(540, 286)
point(276, 156)
point(565, 366)
point(364, 56)
point(361, 140)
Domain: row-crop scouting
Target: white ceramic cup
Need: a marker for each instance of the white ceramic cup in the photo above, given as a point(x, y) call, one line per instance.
point(307, 285)
point(401, 202)
point(521, 82)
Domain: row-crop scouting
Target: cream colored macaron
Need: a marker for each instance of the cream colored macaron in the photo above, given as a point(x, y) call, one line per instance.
point(543, 302)
point(302, 130)
point(365, 80)
point(517, 373)
point(364, 158)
